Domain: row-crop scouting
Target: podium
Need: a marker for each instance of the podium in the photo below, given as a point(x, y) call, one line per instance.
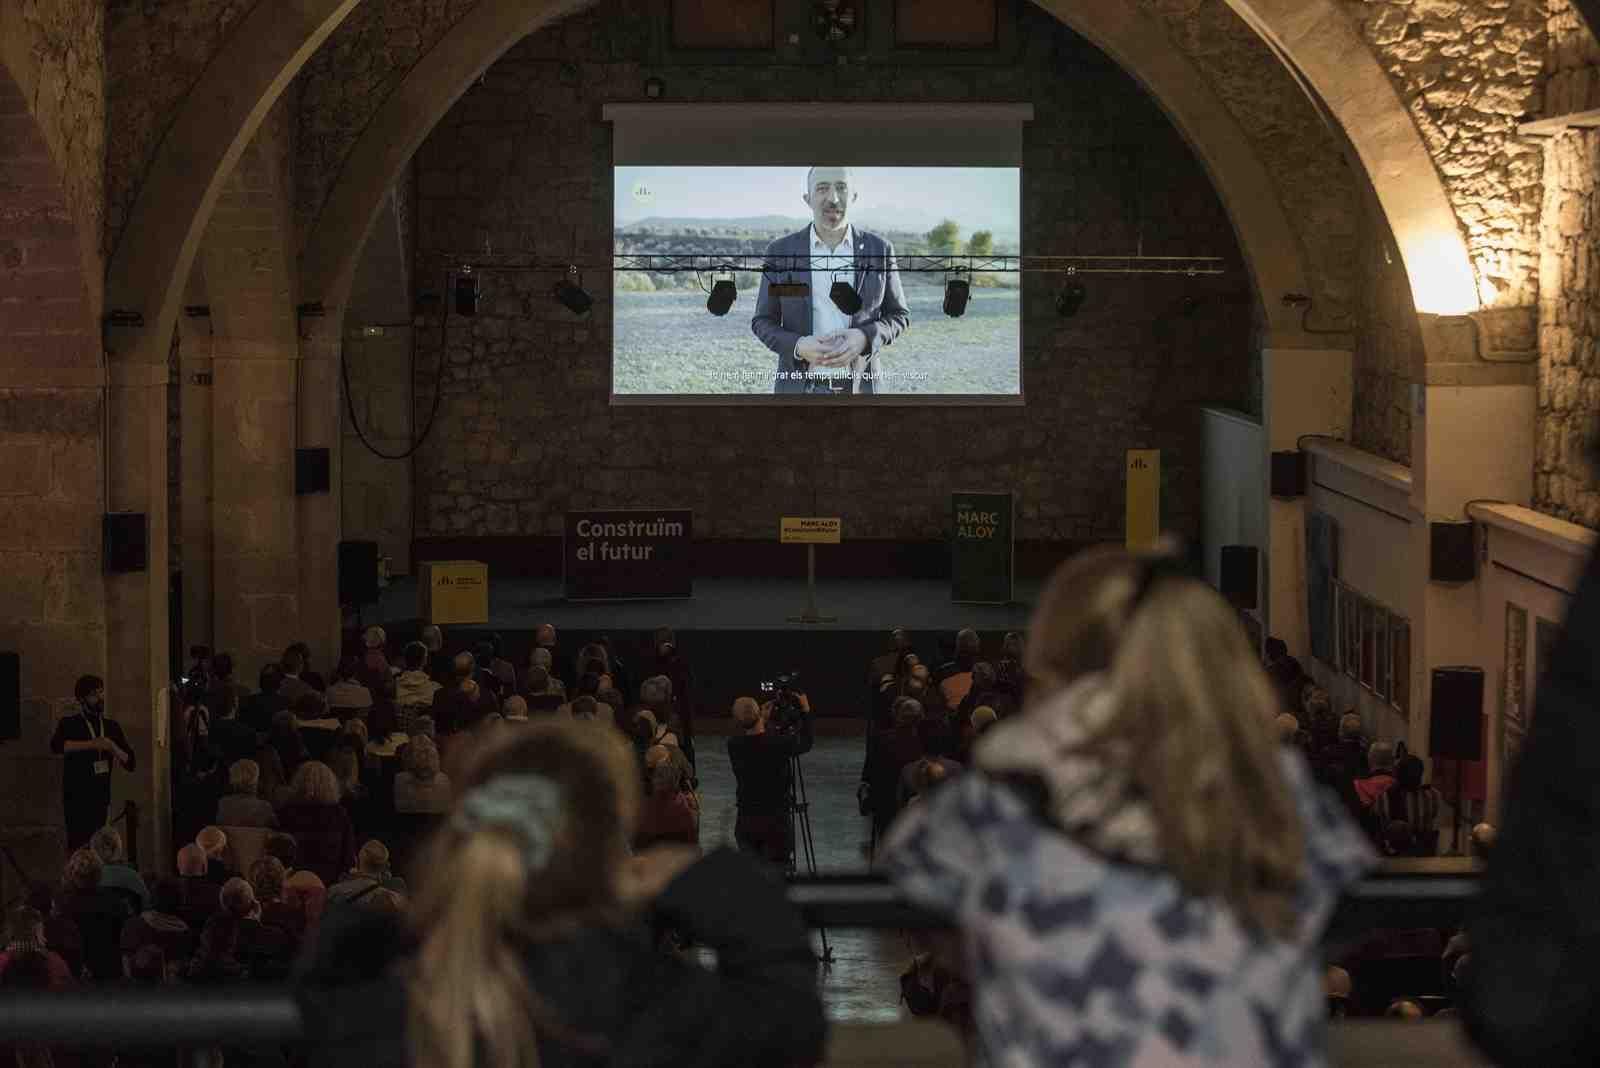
point(453, 591)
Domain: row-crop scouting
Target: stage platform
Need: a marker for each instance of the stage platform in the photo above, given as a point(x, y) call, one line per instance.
point(734, 631)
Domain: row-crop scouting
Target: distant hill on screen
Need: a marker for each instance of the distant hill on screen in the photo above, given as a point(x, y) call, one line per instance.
point(756, 223)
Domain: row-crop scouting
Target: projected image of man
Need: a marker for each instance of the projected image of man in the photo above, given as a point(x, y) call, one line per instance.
point(822, 350)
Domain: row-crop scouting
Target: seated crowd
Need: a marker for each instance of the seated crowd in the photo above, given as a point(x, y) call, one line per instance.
point(1132, 735)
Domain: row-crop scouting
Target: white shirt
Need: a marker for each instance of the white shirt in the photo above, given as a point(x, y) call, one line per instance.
point(829, 266)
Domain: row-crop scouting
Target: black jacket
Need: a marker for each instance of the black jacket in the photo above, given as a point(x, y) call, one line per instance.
point(759, 1008)
point(1533, 984)
point(761, 766)
point(81, 787)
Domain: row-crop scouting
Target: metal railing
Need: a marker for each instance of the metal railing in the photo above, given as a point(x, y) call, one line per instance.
point(1436, 896)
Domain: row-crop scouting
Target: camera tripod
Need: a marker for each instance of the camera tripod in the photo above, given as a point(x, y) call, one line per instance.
point(801, 844)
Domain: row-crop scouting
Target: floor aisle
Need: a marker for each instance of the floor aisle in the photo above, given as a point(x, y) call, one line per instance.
point(863, 984)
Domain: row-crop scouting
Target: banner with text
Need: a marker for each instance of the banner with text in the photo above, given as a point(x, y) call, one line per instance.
point(982, 560)
point(626, 554)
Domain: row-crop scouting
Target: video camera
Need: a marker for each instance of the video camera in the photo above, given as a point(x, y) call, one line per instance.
point(784, 694)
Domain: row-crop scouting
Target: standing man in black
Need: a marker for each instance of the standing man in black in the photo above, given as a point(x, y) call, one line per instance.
point(91, 742)
point(760, 758)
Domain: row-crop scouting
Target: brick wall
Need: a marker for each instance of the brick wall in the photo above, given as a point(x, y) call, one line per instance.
point(525, 428)
point(1565, 482)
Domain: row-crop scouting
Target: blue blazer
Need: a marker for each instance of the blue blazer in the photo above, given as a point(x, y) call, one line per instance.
point(781, 321)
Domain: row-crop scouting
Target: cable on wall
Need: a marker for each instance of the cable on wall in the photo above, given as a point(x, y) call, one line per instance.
point(438, 386)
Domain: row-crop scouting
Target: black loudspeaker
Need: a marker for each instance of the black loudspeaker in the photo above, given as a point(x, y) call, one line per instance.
point(1455, 728)
point(10, 696)
point(1452, 552)
point(358, 572)
point(126, 542)
point(1241, 569)
point(1289, 474)
point(312, 471)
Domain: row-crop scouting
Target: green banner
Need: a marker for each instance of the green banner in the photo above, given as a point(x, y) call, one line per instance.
point(982, 561)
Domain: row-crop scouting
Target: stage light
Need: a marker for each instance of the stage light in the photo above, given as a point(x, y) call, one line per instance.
point(845, 297)
point(723, 294)
point(957, 291)
point(570, 292)
point(466, 292)
point(1070, 299)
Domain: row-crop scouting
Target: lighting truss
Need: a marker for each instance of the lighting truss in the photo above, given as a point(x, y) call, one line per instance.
point(701, 263)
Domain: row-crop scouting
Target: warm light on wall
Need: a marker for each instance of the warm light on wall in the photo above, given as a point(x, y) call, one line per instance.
point(1442, 280)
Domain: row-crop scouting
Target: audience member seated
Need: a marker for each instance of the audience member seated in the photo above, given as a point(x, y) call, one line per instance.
point(241, 807)
point(1337, 988)
point(259, 709)
point(384, 719)
point(60, 931)
point(670, 812)
point(345, 761)
point(1482, 840)
point(1142, 791)
point(285, 739)
point(1287, 728)
point(1404, 1009)
point(293, 687)
point(115, 874)
point(310, 677)
point(540, 690)
point(198, 891)
point(415, 687)
point(441, 668)
point(231, 738)
point(1380, 758)
point(266, 951)
point(315, 725)
point(98, 912)
point(305, 892)
point(161, 925)
point(214, 840)
point(954, 679)
point(347, 696)
point(370, 873)
point(601, 989)
point(461, 705)
point(539, 657)
point(324, 836)
point(492, 657)
point(25, 935)
point(268, 877)
point(888, 755)
point(273, 783)
point(515, 709)
point(216, 958)
point(422, 787)
point(1410, 802)
point(375, 665)
point(920, 776)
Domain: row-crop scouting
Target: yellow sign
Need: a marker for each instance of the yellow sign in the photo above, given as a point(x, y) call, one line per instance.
point(454, 591)
point(1144, 498)
point(809, 530)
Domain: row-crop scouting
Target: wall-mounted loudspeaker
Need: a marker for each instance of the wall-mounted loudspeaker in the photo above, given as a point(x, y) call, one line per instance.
point(1455, 724)
point(1452, 552)
point(358, 572)
point(1241, 568)
point(10, 696)
point(312, 471)
point(1289, 474)
point(126, 542)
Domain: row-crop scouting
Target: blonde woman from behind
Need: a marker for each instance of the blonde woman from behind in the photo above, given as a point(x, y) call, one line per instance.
point(528, 941)
point(1136, 847)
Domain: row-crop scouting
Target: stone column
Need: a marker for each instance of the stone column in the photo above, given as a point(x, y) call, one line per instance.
point(1305, 391)
point(195, 385)
point(138, 664)
point(318, 515)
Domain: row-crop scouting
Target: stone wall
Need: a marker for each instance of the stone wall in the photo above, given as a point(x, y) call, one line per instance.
point(526, 430)
point(1565, 482)
point(1388, 343)
point(1468, 71)
point(65, 88)
point(159, 51)
point(52, 598)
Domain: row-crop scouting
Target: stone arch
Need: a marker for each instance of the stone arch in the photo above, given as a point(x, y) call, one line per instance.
point(1272, 252)
point(150, 264)
point(1319, 40)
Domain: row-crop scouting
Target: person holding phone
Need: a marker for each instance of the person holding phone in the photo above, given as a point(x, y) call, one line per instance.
point(92, 744)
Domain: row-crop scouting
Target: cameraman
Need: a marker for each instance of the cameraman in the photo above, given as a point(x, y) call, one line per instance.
point(760, 758)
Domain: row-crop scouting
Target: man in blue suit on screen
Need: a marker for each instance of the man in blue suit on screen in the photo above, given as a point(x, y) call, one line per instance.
point(822, 349)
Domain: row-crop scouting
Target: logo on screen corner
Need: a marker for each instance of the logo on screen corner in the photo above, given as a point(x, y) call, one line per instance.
point(643, 194)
